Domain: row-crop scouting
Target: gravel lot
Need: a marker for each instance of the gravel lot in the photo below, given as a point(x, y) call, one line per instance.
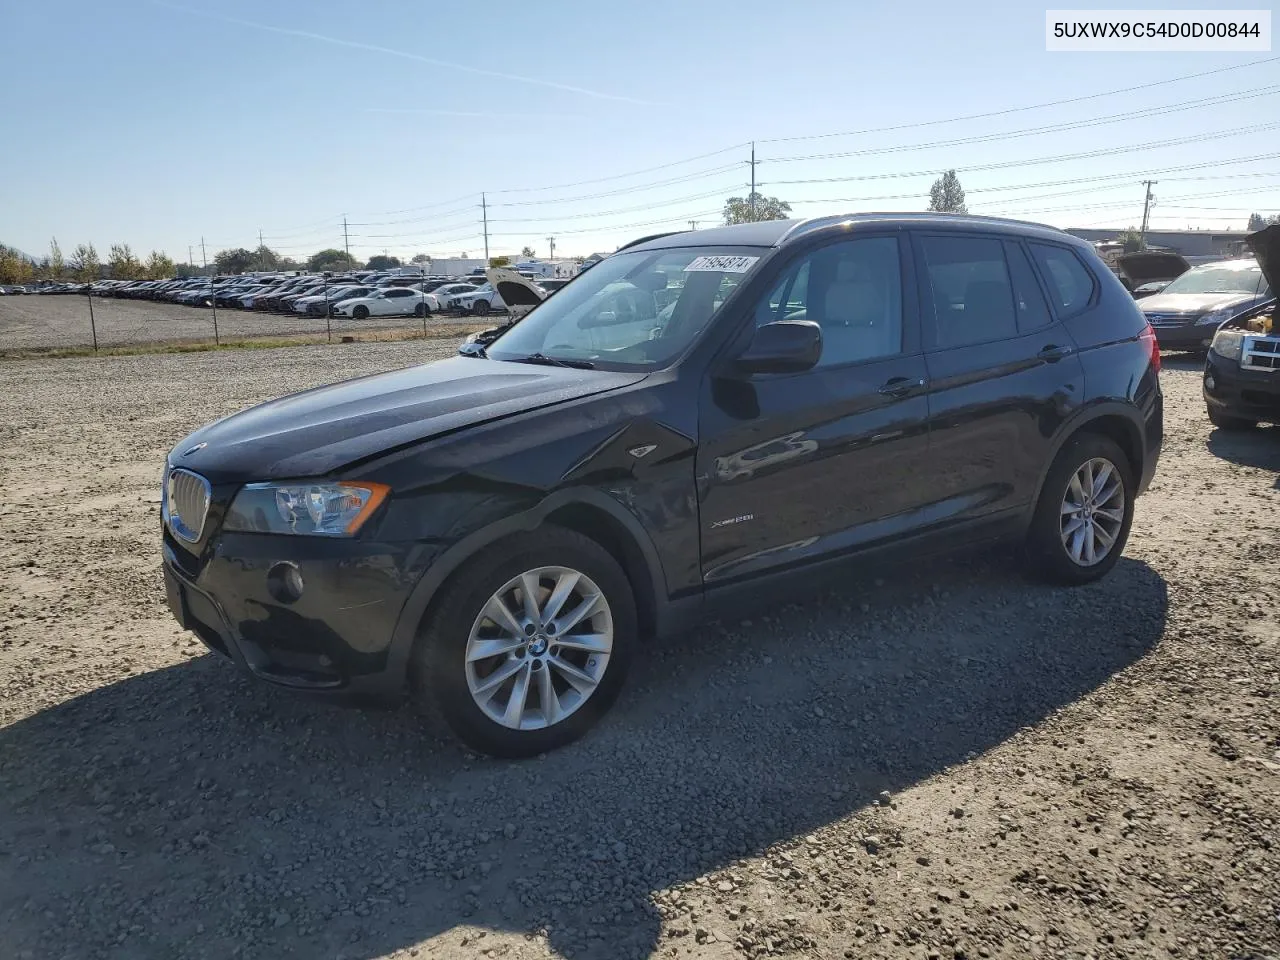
point(938, 761)
point(63, 321)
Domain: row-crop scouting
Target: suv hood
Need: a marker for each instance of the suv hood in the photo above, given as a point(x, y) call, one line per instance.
point(1148, 265)
point(1265, 245)
point(317, 432)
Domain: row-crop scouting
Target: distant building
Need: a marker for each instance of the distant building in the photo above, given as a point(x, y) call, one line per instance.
point(1189, 243)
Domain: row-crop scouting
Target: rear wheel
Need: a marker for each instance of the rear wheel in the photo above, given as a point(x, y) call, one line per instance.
point(1084, 513)
point(1224, 422)
point(360, 313)
point(528, 643)
point(421, 310)
point(481, 307)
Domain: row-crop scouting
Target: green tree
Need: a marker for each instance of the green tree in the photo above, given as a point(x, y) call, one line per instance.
point(123, 264)
point(1131, 240)
point(420, 258)
point(84, 263)
point(1259, 222)
point(527, 252)
point(382, 262)
point(499, 261)
point(288, 263)
point(236, 260)
point(329, 259)
point(15, 266)
point(755, 207)
point(57, 266)
point(264, 258)
point(946, 195)
point(159, 266)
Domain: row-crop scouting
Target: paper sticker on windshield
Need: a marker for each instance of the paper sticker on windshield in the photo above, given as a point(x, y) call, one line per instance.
point(722, 264)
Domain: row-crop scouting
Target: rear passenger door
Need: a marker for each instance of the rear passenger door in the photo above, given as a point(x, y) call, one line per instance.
point(1003, 373)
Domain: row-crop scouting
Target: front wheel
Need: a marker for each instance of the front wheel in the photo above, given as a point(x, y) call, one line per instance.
point(1224, 422)
point(481, 307)
point(360, 313)
point(528, 643)
point(1082, 519)
point(421, 310)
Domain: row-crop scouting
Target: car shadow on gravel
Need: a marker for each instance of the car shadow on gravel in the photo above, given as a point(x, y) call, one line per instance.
point(189, 812)
point(1258, 448)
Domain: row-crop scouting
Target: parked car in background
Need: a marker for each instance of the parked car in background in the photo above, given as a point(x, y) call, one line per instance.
point(448, 293)
point(314, 305)
point(392, 302)
point(1145, 272)
point(482, 300)
point(1186, 313)
point(1242, 370)
point(701, 420)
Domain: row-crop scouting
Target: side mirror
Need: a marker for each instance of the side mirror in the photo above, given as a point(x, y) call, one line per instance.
point(785, 346)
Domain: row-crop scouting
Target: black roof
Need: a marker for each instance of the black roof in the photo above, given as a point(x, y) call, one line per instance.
point(777, 233)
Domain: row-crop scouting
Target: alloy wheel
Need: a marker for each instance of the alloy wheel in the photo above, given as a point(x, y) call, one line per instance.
point(1093, 509)
point(539, 648)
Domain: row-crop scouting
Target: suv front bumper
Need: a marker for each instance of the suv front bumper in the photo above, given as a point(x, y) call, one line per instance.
point(1237, 392)
point(335, 638)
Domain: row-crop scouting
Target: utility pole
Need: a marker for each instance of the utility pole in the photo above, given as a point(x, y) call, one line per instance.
point(1146, 210)
point(693, 224)
point(552, 254)
point(262, 252)
point(191, 260)
point(213, 293)
point(346, 240)
point(751, 197)
point(204, 256)
point(484, 212)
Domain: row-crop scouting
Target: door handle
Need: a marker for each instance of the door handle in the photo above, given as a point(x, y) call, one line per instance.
point(898, 387)
point(1053, 353)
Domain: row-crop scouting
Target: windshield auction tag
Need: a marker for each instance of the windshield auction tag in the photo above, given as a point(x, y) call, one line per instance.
point(721, 264)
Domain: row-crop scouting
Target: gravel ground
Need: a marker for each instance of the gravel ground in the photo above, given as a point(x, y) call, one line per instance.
point(63, 321)
point(937, 761)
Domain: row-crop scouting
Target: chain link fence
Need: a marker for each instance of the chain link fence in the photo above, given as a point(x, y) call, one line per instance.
point(74, 321)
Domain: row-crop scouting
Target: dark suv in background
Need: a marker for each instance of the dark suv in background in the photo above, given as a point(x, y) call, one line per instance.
point(699, 417)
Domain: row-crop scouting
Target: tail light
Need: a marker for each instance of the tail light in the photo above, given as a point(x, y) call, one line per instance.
point(1148, 336)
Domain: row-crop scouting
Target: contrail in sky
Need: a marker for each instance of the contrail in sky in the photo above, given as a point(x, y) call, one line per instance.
point(404, 54)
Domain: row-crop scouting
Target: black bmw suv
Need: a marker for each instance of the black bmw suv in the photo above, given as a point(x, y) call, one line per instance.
point(699, 417)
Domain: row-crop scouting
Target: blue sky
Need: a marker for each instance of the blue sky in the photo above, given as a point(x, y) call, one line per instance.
point(156, 123)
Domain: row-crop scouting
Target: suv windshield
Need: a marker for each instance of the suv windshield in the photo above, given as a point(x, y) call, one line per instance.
point(1242, 277)
point(632, 310)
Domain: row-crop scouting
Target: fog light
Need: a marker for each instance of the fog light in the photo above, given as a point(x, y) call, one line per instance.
point(1208, 383)
point(284, 582)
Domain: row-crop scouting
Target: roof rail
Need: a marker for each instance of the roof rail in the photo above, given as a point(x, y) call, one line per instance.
point(817, 223)
point(652, 236)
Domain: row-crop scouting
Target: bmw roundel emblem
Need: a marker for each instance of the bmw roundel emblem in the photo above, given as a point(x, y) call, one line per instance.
point(197, 448)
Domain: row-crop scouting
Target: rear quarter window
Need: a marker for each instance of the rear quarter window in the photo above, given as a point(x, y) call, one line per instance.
point(1070, 283)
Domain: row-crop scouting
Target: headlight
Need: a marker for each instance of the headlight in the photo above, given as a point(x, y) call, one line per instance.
point(1216, 317)
point(1228, 343)
point(312, 509)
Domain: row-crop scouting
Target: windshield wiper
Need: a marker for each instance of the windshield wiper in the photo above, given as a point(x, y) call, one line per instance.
point(546, 361)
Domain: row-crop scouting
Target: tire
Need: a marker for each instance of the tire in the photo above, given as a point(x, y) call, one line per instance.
point(1060, 556)
point(361, 312)
point(441, 673)
point(481, 307)
point(1224, 422)
point(421, 311)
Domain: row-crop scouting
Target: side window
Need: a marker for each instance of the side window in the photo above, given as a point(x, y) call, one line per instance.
point(1070, 282)
point(853, 290)
point(971, 290)
point(1033, 312)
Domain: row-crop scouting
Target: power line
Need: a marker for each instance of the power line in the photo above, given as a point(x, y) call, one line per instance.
point(1039, 131)
point(1007, 164)
point(1033, 106)
point(620, 176)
